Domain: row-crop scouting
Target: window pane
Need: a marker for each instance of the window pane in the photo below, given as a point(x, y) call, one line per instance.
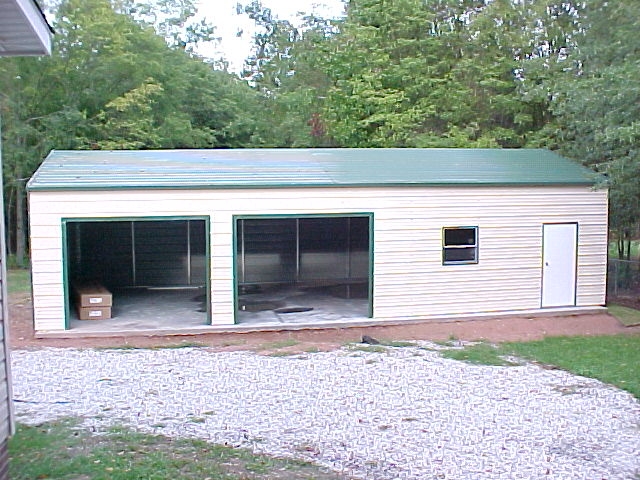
point(459, 236)
point(460, 254)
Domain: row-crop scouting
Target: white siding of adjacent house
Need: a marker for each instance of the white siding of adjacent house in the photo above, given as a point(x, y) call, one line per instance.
point(410, 281)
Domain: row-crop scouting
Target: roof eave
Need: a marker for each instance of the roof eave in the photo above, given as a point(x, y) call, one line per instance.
point(40, 188)
point(33, 25)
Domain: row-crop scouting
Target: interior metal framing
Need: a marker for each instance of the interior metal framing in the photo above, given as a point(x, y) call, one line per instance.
point(69, 222)
point(239, 264)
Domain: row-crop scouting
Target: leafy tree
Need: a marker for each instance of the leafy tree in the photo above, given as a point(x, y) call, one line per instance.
point(113, 82)
point(595, 101)
point(288, 70)
point(426, 74)
point(392, 73)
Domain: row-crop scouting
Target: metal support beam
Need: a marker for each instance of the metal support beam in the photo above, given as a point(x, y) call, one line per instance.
point(298, 250)
point(188, 252)
point(133, 254)
point(243, 270)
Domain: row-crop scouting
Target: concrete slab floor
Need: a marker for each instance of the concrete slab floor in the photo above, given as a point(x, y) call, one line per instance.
point(150, 309)
point(291, 306)
point(166, 310)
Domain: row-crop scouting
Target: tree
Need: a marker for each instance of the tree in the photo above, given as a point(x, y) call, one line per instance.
point(425, 74)
point(595, 101)
point(112, 82)
point(288, 70)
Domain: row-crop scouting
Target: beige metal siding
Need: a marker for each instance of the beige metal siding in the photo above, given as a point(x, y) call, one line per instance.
point(409, 278)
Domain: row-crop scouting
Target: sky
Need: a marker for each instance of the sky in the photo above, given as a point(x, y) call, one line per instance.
point(222, 14)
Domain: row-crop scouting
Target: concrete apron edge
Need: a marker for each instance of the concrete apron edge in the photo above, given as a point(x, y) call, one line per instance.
point(356, 323)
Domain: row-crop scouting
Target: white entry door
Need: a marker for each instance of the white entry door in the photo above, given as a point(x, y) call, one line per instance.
point(559, 248)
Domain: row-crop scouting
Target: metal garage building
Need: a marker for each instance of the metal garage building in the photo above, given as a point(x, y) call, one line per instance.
point(194, 238)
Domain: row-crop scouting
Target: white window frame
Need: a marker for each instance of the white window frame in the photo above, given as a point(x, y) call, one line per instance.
point(471, 247)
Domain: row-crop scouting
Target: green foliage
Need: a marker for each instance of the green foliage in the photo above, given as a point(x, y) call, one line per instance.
point(288, 69)
point(461, 74)
point(410, 73)
point(127, 122)
point(114, 83)
point(62, 450)
point(403, 73)
point(595, 102)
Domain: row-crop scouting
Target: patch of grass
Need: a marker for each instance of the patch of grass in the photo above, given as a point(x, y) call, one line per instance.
point(451, 341)
point(290, 342)
point(128, 348)
point(197, 419)
point(283, 353)
point(477, 354)
point(179, 345)
point(611, 359)
point(19, 280)
point(627, 316)
point(233, 343)
point(59, 450)
point(124, 348)
point(635, 249)
point(13, 262)
point(398, 344)
point(368, 348)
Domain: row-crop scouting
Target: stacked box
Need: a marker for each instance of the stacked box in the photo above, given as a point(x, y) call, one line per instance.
point(93, 301)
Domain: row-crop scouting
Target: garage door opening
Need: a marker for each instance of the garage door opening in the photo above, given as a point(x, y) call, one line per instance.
point(306, 269)
point(153, 274)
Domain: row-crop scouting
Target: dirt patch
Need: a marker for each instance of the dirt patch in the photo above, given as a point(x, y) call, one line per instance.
point(497, 329)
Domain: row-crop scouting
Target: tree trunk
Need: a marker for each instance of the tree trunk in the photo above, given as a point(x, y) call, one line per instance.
point(620, 243)
point(21, 237)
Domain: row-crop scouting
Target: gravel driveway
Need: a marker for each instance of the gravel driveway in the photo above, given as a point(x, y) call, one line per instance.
point(404, 413)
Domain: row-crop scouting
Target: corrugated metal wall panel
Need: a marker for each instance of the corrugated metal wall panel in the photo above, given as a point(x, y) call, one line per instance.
point(148, 252)
point(161, 250)
point(409, 278)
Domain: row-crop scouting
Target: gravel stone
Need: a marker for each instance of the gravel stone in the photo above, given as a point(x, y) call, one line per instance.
point(405, 413)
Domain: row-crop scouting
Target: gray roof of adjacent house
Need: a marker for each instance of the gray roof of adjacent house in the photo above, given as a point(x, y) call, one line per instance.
point(270, 168)
point(23, 29)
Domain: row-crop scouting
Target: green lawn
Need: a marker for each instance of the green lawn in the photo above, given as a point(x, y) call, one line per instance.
point(19, 280)
point(627, 316)
point(58, 450)
point(611, 359)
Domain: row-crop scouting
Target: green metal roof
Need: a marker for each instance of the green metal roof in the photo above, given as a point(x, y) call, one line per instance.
point(270, 168)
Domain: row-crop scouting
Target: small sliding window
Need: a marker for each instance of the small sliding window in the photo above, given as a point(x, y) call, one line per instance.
point(459, 245)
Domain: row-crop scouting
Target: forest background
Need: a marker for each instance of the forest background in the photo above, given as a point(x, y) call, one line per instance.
point(563, 75)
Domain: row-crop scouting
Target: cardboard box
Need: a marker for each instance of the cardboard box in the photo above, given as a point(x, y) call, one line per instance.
point(94, 313)
point(93, 295)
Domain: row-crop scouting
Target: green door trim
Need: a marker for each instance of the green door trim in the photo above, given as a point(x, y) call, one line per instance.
point(65, 257)
point(267, 216)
